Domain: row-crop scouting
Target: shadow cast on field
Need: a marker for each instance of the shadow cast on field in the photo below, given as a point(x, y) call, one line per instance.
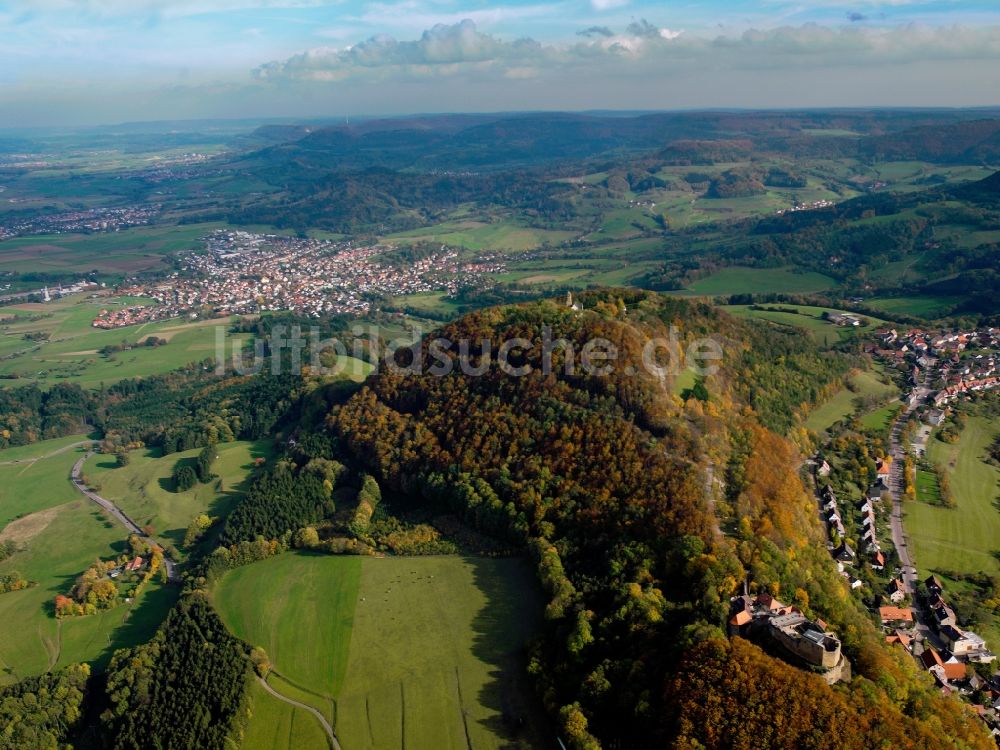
point(503, 629)
point(140, 624)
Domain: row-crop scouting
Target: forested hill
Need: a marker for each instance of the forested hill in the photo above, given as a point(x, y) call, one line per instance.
point(603, 478)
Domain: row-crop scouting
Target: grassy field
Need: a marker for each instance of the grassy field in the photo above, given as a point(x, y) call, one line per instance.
point(112, 253)
point(476, 234)
point(927, 487)
point(430, 303)
point(966, 538)
point(71, 351)
point(760, 281)
point(59, 534)
point(922, 307)
point(144, 488)
point(35, 477)
point(275, 725)
point(417, 652)
point(880, 418)
point(809, 318)
point(844, 403)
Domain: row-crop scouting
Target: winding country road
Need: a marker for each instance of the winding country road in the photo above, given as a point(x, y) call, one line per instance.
point(322, 719)
point(119, 515)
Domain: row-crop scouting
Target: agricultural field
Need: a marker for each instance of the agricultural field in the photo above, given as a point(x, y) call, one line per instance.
point(738, 280)
point(924, 306)
point(111, 254)
point(965, 538)
point(476, 234)
point(414, 651)
point(71, 351)
point(809, 318)
point(144, 489)
point(59, 534)
point(844, 403)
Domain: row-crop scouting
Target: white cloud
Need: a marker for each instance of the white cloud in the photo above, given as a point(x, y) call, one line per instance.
point(642, 47)
point(600, 5)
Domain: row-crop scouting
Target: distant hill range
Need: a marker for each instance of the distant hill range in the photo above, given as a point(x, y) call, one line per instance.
point(499, 141)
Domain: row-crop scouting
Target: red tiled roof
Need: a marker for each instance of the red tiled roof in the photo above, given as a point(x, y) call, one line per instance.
point(954, 671)
point(895, 613)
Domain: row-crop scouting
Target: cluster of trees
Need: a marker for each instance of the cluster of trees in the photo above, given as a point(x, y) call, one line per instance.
point(369, 496)
point(191, 407)
point(993, 452)
point(187, 408)
point(184, 477)
point(280, 501)
point(95, 589)
point(944, 486)
point(203, 463)
point(92, 591)
point(13, 582)
point(239, 554)
point(124, 346)
point(403, 538)
point(44, 711)
point(735, 183)
point(28, 413)
point(726, 694)
point(785, 374)
point(186, 688)
point(197, 528)
point(309, 537)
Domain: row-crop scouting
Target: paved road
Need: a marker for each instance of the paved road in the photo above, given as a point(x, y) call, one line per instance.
point(897, 486)
point(119, 515)
point(322, 719)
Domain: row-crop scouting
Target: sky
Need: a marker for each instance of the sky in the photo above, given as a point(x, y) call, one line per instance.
point(80, 62)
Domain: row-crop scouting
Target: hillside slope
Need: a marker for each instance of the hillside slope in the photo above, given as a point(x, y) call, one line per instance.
point(608, 479)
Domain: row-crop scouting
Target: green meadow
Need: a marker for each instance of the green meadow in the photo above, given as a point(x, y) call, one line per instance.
point(928, 490)
point(739, 280)
point(71, 352)
point(476, 234)
point(276, 725)
point(35, 477)
point(58, 534)
point(922, 307)
point(844, 403)
point(144, 489)
point(807, 317)
point(966, 538)
point(413, 651)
